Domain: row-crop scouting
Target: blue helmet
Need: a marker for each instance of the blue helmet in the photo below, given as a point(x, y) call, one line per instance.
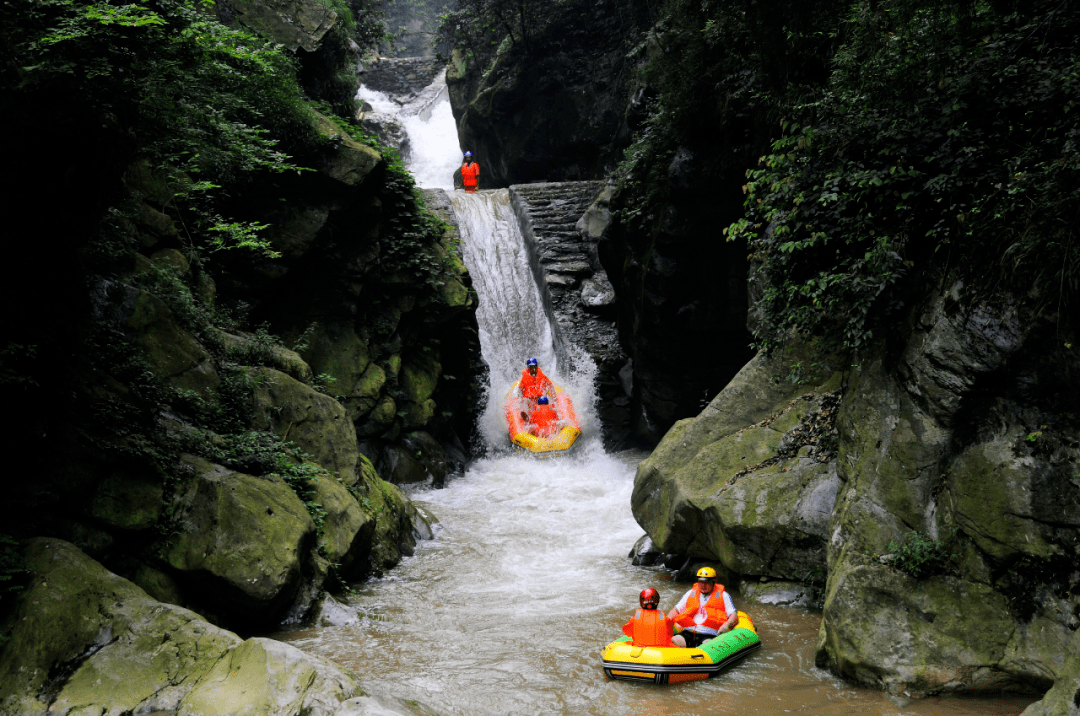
point(468, 154)
point(542, 400)
point(531, 361)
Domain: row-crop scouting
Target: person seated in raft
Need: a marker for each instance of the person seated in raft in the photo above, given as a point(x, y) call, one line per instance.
point(544, 421)
point(470, 173)
point(649, 626)
point(532, 385)
point(705, 611)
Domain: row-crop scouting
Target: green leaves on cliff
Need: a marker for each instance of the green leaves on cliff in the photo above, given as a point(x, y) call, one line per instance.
point(945, 140)
point(920, 556)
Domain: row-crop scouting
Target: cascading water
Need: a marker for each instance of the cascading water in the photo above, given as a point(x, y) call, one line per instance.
point(506, 610)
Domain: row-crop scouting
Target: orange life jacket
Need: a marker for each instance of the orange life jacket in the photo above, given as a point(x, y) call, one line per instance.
point(649, 627)
point(532, 388)
point(544, 418)
point(713, 609)
point(470, 174)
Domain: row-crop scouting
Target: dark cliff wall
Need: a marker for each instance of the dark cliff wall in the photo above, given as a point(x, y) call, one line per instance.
point(553, 110)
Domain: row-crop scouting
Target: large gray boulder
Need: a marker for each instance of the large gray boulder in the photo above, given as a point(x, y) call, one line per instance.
point(242, 542)
point(750, 482)
point(292, 23)
point(318, 424)
point(85, 641)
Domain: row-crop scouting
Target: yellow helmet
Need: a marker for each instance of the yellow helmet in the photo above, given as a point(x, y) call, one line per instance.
point(706, 573)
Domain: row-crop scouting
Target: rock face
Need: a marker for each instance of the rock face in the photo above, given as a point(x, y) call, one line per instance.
point(563, 252)
point(750, 482)
point(292, 23)
point(959, 440)
point(83, 640)
point(554, 111)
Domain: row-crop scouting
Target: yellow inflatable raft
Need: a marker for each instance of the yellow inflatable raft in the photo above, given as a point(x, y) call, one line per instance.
point(671, 665)
point(557, 444)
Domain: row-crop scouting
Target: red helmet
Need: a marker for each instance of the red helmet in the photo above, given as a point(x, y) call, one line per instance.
point(649, 598)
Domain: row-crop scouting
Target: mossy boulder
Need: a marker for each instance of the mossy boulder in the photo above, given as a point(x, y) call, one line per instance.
point(1064, 698)
point(242, 543)
point(334, 348)
point(731, 486)
point(366, 392)
point(292, 23)
point(941, 441)
point(379, 419)
point(395, 516)
point(347, 163)
point(83, 640)
point(245, 348)
point(174, 355)
point(317, 423)
point(93, 641)
point(347, 530)
point(296, 228)
point(262, 677)
point(884, 629)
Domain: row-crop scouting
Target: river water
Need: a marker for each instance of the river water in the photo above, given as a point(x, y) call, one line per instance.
point(507, 609)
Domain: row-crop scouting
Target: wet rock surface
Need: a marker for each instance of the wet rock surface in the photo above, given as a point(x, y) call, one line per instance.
point(927, 494)
point(82, 640)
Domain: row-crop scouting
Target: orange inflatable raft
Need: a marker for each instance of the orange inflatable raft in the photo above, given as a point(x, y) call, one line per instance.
point(559, 443)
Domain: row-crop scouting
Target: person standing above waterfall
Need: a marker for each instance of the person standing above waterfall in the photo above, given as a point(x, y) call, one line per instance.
point(470, 173)
point(705, 611)
point(650, 626)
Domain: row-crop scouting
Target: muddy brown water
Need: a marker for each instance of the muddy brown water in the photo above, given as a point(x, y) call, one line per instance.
point(507, 609)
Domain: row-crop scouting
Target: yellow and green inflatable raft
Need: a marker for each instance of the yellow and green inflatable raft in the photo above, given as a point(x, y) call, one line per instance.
point(671, 665)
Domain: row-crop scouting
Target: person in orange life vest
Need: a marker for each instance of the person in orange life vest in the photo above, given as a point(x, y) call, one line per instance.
point(532, 385)
point(650, 626)
point(544, 421)
point(705, 611)
point(470, 173)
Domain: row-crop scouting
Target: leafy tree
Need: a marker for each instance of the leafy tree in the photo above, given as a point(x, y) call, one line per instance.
point(945, 140)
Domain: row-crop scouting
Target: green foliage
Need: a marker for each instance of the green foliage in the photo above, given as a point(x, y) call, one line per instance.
point(480, 26)
point(919, 556)
point(262, 453)
point(945, 139)
point(409, 246)
point(208, 106)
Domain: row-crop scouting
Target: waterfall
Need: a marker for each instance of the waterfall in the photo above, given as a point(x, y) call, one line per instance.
point(514, 323)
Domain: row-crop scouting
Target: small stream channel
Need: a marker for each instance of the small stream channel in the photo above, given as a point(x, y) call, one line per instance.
point(507, 609)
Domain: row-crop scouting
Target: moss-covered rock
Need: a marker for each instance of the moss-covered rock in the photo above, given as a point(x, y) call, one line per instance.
point(1064, 698)
point(262, 677)
point(394, 515)
point(366, 392)
point(334, 348)
point(730, 485)
point(174, 355)
point(317, 423)
point(941, 443)
point(347, 530)
point(242, 544)
point(84, 641)
point(379, 419)
point(94, 641)
point(884, 629)
point(349, 163)
point(292, 23)
point(245, 348)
